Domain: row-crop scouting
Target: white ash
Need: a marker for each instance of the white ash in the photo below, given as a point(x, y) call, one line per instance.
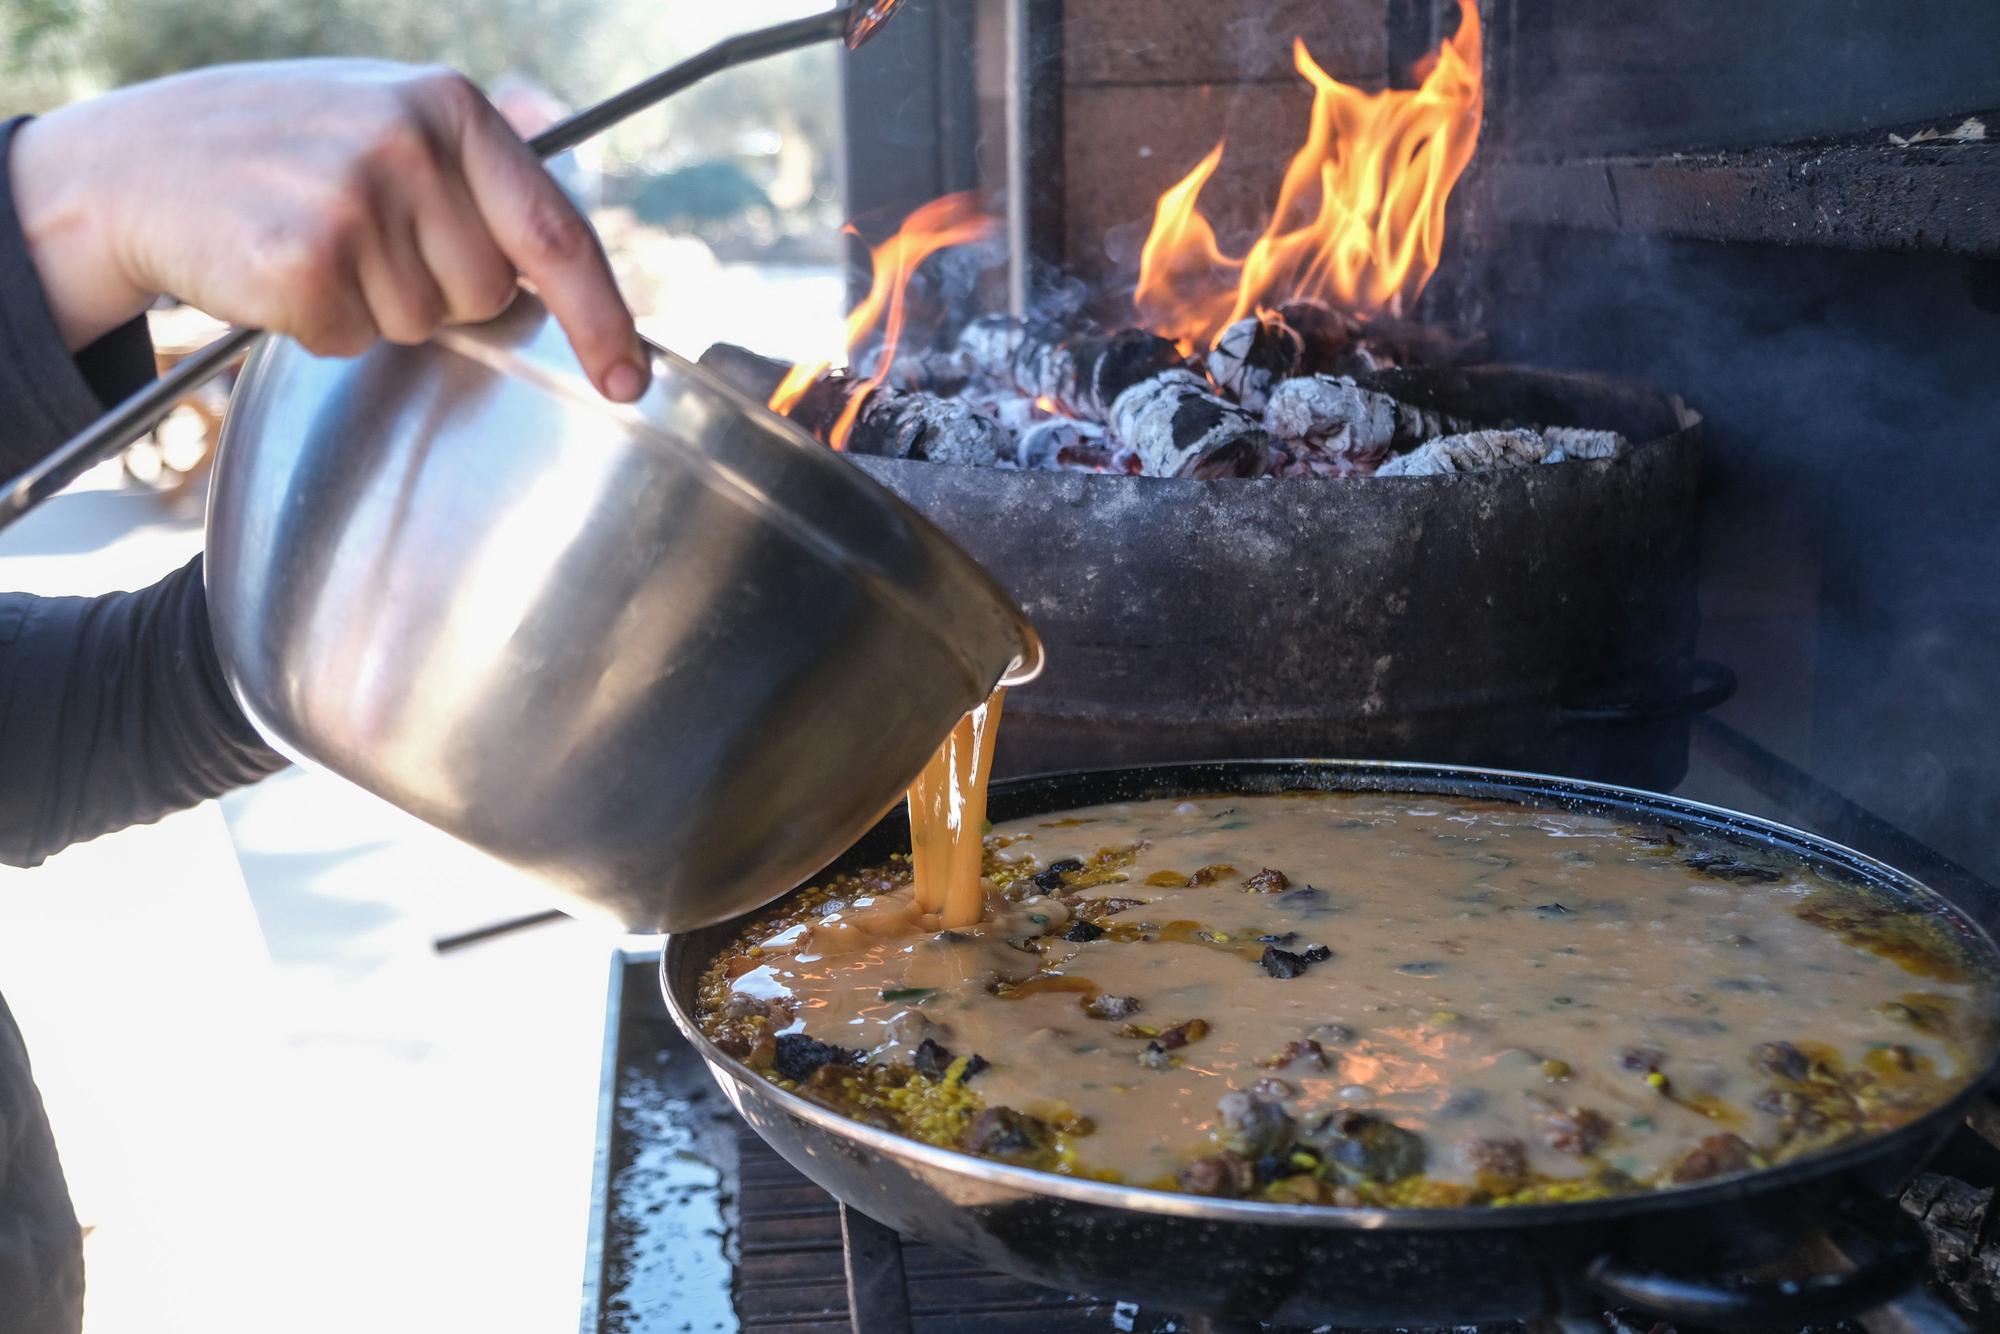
point(943, 371)
point(1179, 428)
point(1336, 417)
point(1064, 444)
point(1579, 442)
point(1473, 451)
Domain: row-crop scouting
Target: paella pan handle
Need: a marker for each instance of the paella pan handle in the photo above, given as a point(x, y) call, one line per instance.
point(1713, 684)
point(1884, 1245)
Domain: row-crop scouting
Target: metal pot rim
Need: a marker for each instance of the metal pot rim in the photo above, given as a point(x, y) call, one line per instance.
point(1103, 1195)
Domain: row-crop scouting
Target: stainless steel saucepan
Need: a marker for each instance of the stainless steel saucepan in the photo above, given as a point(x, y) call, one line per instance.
point(673, 656)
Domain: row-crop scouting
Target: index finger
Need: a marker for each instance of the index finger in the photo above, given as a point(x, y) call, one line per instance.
point(544, 236)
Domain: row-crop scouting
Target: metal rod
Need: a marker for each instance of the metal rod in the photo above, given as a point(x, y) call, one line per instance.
point(122, 425)
point(446, 944)
point(143, 410)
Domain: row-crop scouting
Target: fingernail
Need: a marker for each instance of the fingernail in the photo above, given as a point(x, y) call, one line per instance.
point(625, 382)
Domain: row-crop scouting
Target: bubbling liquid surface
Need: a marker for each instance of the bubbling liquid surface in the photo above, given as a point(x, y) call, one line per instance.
point(1518, 1003)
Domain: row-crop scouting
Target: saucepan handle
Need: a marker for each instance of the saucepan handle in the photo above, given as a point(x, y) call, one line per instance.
point(1712, 686)
point(1884, 1245)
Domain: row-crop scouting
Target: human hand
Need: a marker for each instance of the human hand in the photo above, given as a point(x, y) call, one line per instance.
point(334, 201)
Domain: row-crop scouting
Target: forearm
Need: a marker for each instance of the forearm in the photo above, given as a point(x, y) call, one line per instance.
point(45, 393)
point(113, 712)
point(60, 205)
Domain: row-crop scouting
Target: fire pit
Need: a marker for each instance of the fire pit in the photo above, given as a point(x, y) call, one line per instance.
point(1265, 513)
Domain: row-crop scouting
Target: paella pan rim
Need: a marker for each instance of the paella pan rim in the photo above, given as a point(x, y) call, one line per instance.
point(679, 973)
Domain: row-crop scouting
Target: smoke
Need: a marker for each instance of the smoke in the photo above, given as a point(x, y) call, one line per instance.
point(1851, 490)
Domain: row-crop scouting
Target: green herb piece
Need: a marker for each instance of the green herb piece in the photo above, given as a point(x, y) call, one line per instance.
point(917, 994)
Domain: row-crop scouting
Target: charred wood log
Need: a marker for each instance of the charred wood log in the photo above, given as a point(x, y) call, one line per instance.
point(1474, 451)
point(1333, 416)
point(941, 371)
point(1253, 356)
point(1079, 375)
point(740, 368)
point(1180, 429)
point(1963, 1228)
point(901, 424)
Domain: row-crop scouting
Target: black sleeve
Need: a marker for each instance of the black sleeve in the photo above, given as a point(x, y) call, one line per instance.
point(113, 710)
point(45, 394)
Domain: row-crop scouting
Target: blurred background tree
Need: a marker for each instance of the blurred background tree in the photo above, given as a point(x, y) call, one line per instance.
point(739, 171)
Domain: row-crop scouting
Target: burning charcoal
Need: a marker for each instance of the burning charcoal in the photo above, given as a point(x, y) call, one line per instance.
point(1474, 451)
point(1363, 1146)
point(1252, 1126)
point(1180, 429)
point(744, 370)
point(1111, 1007)
point(934, 1061)
point(1002, 1132)
point(1225, 1175)
point(1718, 1155)
point(939, 371)
point(1495, 1157)
point(1576, 442)
point(1338, 418)
point(1078, 375)
point(901, 425)
point(1267, 881)
point(1253, 355)
point(1578, 1130)
point(798, 1057)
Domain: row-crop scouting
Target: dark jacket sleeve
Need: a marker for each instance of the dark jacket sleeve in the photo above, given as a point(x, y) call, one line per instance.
point(113, 710)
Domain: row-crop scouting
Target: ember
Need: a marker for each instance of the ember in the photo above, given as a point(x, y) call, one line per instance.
point(1237, 366)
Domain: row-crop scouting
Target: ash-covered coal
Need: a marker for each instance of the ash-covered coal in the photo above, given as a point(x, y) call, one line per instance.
point(1277, 395)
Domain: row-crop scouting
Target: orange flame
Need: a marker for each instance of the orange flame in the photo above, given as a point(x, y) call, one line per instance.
point(951, 220)
point(1359, 219)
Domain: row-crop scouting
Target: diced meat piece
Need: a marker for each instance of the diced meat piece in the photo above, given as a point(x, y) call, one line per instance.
point(1267, 881)
point(1111, 1007)
point(1253, 1126)
point(1579, 1130)
point(1495, 1157)
point(1722, 866)
point(1083, 932)
point(1718, 1155)
point(797, 1056)
point(911, 1027)
point(933, 1061)
point(1156, 1057)
point(1782, 1059)
point(1642, 1060)
point(1050, 879)
point(1274, 1089)
point(1300, 1051)
point(1289, 963)
point(1193, 1030)
point(1227, 1175)
point(742, 1005)
point(1002, 1132)
point(1334, 1033)
point(1365, 1147)
point(1208, 875)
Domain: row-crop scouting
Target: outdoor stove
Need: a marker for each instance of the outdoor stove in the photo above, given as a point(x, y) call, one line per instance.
point(1782, 603)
